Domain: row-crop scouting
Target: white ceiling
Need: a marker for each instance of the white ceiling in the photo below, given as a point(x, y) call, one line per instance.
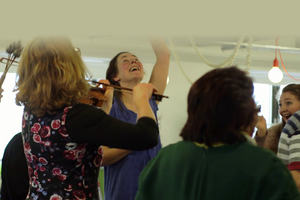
point(103, 28)
point(215, 49)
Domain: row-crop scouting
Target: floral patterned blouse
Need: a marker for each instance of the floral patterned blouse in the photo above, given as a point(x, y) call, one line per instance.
point(58, 166)
point(63, 166)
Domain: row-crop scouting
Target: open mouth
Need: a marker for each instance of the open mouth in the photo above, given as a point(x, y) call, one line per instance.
point(133, 69)
point(287, 116)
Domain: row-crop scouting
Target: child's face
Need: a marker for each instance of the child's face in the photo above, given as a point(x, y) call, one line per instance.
point(288, 105)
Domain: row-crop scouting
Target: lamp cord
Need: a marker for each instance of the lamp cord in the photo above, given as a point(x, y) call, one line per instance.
point(282, 64)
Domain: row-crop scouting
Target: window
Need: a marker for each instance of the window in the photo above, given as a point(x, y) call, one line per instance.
point(263, 97)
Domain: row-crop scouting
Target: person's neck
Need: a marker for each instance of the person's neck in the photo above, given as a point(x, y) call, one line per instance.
point(129, 84)
point(127, 97)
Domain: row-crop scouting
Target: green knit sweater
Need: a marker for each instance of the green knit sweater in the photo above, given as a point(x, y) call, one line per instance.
point(188, 171)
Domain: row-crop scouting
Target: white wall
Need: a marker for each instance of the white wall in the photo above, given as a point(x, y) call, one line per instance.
point(172, 112)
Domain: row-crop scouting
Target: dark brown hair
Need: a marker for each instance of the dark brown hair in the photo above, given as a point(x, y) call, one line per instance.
point(111, 72)
point(293, 89)
point(220, 106)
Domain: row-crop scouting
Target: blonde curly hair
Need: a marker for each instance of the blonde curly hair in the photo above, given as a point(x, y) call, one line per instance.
point(51, 74)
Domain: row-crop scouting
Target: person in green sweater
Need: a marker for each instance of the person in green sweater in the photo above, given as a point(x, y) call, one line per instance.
point(216, 160)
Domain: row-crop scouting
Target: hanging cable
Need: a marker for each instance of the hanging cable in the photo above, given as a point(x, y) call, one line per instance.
point(283, 66)
point(225, 63)
point(178, 61)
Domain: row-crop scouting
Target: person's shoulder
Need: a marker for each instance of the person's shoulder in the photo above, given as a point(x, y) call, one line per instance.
point(81, 108)
point(294, 119)
point(297, 113)
point(78, 106)
point(178, 146)
point(175, 152)
point(257, 159)
point(153, 104)
point(115, 107)
point(292, 126)
point(15, 139)
point(257, 152)
point(14, 145)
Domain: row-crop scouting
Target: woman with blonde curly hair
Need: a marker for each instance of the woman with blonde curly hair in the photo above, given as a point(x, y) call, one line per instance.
point(61, 136)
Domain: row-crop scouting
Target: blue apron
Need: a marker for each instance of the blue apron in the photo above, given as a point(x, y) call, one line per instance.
point(121, 178)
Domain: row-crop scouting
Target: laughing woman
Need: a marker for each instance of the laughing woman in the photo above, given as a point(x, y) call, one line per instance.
point(122, 166)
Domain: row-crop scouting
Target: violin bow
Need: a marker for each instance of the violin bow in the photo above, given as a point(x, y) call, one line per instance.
point(157, 97)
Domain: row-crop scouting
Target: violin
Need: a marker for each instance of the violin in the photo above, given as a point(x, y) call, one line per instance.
point(95, 97)
point(96, 94)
